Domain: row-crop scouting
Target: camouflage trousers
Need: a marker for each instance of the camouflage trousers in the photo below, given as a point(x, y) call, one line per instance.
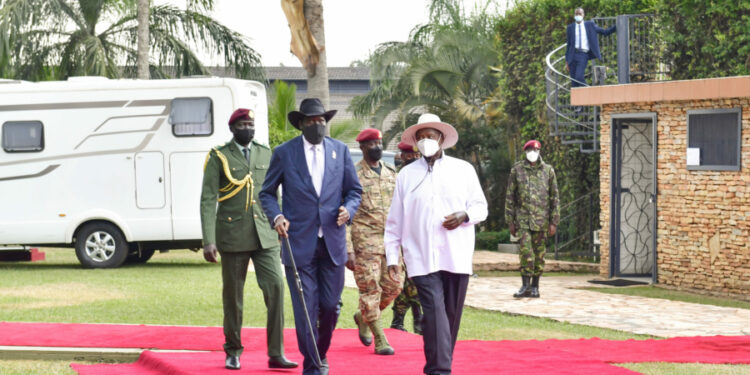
point(531, 253)
point(408, 297)
point(376, 288)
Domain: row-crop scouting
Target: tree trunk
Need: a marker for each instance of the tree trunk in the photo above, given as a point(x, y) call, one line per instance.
point(317, 83)
point(143, 39)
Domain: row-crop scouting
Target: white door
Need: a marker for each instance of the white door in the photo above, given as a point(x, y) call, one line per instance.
point(149, 179)
point(186, 176)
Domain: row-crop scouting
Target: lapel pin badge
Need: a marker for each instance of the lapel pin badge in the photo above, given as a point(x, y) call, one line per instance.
point(333, 154)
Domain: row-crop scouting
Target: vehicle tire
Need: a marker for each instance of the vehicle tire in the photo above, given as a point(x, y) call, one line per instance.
point(101, 245)
point(145, 255)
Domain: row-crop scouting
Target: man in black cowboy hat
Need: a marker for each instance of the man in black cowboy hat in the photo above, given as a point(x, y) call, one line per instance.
point(321, 193)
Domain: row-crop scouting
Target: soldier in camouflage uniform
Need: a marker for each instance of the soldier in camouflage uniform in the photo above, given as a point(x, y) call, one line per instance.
point(367, 251)
point(408, 297)
point(532, 209)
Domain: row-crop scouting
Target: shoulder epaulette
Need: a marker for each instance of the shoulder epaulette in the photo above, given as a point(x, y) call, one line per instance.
point(261, 145)
point(390, 166)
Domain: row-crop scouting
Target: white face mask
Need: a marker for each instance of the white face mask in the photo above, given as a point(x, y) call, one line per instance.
point(578, 18)
point(532, 156)
point(428, 147)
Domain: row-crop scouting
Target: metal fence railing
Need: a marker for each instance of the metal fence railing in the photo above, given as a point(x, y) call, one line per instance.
point(635, 55)
point(579, 220)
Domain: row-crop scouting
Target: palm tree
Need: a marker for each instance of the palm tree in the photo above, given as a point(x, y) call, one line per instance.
point(283, 99)
point(444, 66)
point(143, 39)
point(143, 32)
point(43, 39)
point(317, 81)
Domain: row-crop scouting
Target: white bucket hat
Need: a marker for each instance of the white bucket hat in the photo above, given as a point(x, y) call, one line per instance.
point(428, 120)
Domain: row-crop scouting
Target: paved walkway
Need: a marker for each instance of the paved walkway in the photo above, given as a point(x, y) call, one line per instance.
point(561, 300)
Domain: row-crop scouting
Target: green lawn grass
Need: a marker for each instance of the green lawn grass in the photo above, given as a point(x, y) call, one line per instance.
point(674, 295)
point(180, 288)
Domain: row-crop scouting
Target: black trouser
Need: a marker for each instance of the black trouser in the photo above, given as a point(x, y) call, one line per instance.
point(578, 68)
point(442, 295)
point(322, 284)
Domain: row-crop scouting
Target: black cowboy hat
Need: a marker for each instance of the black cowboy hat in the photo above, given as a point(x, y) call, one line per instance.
point(308, 108)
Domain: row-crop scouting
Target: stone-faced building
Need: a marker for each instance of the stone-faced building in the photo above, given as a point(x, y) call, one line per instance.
point(675, 181)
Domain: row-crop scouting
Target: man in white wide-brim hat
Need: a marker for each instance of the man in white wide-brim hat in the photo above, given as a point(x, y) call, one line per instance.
point(436, 203)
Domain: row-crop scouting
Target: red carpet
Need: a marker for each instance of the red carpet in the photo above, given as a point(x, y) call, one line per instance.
point(348, 356)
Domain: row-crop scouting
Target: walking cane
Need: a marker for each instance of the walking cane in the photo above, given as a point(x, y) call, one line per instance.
point(302, 298)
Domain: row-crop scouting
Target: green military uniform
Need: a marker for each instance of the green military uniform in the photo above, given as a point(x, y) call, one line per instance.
point(376, 289)
point(241, 231)
point(532, 203)
point(407, 298)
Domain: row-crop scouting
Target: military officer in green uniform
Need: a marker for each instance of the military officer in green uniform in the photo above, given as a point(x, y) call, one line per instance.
point(532, 209)
point(408, 297)
point(366, 252)
point(239, 231)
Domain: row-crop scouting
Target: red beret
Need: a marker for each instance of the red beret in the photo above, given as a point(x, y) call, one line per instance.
point(241, 114)
point(532, 143)
point(405, 147)
point(369, 134)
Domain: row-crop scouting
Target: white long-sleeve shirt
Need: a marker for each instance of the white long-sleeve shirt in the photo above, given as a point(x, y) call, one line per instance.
point(420, 203)
point(582, 40)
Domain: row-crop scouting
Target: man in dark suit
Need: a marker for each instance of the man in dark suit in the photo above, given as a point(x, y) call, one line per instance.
point(583, 45)
point(321, 193)
point(240, 231)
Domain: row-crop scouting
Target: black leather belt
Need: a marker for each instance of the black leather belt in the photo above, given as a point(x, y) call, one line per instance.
point(582, 50)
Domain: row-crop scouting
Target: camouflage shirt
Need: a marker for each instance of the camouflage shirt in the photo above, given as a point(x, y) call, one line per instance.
point(368, 224)
point(532, 201)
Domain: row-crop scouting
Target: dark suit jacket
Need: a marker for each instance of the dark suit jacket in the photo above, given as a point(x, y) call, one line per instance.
point(591, 30)
point(301, 205)
point(231, 227)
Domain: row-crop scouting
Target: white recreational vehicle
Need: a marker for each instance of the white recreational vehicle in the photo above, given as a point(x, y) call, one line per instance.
point(113, 167)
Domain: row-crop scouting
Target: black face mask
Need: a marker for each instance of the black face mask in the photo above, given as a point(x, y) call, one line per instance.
point(409, 161)
point(397, 162)
point(375, 153)
point(314, 133)
point(244, 136)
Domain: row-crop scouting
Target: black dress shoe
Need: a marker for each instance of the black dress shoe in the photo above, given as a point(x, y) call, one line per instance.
point(232, 362)
point(280, 362)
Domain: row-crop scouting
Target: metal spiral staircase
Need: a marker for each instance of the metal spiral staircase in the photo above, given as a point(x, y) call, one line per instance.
point(635, 55)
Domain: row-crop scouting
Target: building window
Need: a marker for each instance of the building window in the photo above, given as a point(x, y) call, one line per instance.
point(23, 136)
point(191, 117)
point(714, 138)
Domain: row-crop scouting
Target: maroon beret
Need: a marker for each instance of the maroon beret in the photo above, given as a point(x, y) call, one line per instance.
point(405, 147)
point(369, 134)
point(532, 143)
point(241, 114)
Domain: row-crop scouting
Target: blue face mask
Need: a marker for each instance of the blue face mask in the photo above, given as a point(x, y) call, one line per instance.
point(578, 19)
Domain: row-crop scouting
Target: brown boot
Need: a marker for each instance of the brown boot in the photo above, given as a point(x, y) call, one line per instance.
point(364, 330)
point(382, 347)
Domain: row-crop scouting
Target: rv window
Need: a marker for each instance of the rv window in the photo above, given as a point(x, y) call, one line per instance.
point(23, 136)
point(191, 117)
point(714, 139)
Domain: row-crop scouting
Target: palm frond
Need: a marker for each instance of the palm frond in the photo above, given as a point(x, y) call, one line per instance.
point(210, 35)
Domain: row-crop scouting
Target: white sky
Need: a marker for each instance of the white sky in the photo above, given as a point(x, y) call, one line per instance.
point(353, 27)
